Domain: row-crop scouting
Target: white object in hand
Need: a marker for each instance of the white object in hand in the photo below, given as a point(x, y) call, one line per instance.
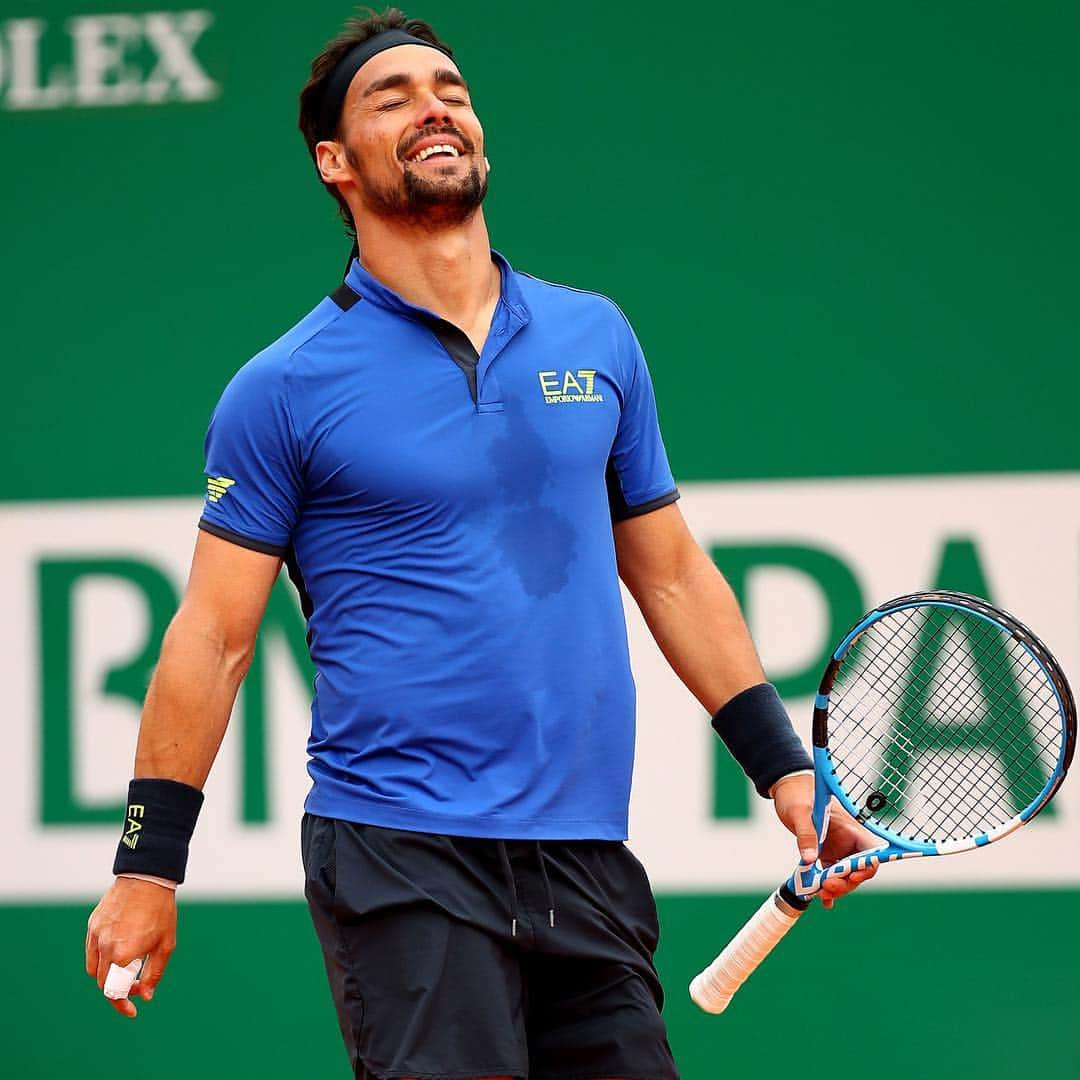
point(118, 981)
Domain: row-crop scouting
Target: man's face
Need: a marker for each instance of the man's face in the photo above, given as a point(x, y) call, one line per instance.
point(413, 144)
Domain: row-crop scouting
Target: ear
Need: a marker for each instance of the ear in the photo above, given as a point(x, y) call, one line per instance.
point(330, 160)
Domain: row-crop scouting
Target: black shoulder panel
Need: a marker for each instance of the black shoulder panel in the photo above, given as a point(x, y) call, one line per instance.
point(344, 297)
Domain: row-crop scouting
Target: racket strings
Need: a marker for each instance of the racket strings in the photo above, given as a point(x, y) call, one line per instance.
point(1032, 779)
point(996, 695)
point(948, 718)
point(991, 692)
point(940, 744)
point(1013, 711)
point(880, 666)
point(931, 733)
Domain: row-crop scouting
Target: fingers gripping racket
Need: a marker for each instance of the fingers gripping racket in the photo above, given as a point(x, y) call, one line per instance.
point(942, 724)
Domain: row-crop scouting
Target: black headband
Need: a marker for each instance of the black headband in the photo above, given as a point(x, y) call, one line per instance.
point(337, 86)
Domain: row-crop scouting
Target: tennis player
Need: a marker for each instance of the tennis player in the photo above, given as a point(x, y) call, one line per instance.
point(457, 462)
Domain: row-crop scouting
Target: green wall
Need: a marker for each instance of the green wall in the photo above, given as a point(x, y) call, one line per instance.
point(826, 220)
point(948, 986)
point(846, 235)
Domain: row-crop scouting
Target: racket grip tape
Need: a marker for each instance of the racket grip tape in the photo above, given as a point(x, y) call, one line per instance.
point(714, 987)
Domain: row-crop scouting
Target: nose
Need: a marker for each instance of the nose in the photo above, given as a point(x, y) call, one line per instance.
point(433, 112)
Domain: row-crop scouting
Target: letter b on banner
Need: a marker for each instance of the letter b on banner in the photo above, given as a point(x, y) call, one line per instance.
point(58, 582)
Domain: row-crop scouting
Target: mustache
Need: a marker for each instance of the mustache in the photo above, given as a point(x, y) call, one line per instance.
point(446, 129)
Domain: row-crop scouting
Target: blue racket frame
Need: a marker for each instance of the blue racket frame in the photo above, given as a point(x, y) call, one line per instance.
point(808, 878)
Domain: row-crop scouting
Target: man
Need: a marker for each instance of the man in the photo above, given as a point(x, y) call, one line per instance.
point(438, 452)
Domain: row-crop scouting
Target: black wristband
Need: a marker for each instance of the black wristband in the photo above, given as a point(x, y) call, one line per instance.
point(161, 816)
point(756, 729)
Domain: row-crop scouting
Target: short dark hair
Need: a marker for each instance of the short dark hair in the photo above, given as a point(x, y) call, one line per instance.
point(357, 29)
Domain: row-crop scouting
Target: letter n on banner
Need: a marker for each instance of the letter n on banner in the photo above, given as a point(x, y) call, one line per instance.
point(843, 604)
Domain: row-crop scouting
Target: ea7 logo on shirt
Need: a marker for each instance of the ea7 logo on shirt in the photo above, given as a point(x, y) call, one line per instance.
point(563, 387)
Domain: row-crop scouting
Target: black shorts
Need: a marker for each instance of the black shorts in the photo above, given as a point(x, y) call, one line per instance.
point(456, 958)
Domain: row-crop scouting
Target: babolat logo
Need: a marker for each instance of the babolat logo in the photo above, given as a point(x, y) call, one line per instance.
point(135, 812)
point(217, 487)
point(566, 386)
point(114, 59)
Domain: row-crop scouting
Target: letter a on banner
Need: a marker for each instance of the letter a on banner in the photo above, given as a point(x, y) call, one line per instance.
point(986, 664)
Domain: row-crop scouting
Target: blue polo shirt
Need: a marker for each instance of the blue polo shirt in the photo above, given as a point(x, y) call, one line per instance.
point(447, 519)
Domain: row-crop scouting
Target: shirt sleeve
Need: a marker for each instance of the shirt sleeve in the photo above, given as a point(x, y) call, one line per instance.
point(638, 475)
point(254, 490)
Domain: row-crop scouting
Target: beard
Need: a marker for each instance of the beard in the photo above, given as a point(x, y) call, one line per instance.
point(435, 201)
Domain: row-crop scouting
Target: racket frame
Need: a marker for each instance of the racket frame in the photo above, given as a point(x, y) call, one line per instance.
point(807, 879)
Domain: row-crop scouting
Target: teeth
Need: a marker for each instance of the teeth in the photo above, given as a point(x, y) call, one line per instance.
point(439, 149)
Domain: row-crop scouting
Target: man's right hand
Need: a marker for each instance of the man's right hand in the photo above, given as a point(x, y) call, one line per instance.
point(134, 919)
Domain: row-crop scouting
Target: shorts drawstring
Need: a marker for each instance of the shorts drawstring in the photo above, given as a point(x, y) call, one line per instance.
point(511, 885)
point(541, 858)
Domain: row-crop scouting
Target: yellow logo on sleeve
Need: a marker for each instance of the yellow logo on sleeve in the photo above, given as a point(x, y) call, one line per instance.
point(567, 386)
point(217, 487)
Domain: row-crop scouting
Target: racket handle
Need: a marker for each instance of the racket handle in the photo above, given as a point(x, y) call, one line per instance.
point(716, 985)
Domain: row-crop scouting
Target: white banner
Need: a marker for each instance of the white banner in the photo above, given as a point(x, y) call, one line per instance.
point(89, 584)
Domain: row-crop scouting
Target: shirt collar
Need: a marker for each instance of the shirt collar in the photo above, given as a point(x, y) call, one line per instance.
point(370, 288)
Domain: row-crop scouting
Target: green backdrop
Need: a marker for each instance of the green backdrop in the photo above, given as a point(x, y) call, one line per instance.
point(846, 235)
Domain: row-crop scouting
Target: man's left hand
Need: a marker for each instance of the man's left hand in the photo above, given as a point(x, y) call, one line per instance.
point(793, 799)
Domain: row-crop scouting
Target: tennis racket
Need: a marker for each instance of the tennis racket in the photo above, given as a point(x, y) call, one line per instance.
point(942, 724)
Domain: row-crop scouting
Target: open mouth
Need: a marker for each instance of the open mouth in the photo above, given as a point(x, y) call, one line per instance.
point(437, 146)
point(441, 151)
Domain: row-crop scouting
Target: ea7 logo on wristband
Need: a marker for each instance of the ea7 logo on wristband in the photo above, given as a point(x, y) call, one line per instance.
point(134, 826)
